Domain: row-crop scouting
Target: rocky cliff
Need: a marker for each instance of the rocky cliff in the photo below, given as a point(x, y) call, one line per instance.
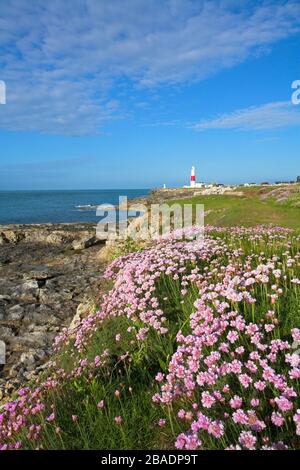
point(46, 273)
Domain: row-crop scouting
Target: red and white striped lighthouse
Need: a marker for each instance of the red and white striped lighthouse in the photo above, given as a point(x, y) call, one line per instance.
point(193, 177)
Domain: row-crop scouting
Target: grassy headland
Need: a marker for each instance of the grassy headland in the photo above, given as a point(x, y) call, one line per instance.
point(258, 205)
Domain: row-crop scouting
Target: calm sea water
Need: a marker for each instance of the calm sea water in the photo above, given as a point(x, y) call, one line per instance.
point(34, 207)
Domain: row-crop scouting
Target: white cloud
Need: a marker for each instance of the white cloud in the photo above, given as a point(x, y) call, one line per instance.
point(267, 116)
point(65, 61)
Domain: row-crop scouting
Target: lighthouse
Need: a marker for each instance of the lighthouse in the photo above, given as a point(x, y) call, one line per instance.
point(193, 177)
point(193, 183)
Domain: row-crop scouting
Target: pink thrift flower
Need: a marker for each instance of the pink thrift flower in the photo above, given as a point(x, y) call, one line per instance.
point(247, 440)
point(295, 334)
point(203, 421)
point(216, 429)
point(159, 377)
point(180, 442)
point(240, 350)
point(277, 419)
point(240, 417)
point(269, 328)
point(283, 404)
point(232, 336)
point(51, 417)
point(255, 402)
point(236, 402)
point(296, 419)
point(245, 380)
point(260, 385)
point(207, 400)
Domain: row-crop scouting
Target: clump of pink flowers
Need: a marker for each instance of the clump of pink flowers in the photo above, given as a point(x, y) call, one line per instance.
point(232, 381)
point(243, 375)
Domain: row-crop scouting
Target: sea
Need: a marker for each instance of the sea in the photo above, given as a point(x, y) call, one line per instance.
point(41, 207)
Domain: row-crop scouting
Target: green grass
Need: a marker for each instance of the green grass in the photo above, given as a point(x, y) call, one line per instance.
point(248, 210)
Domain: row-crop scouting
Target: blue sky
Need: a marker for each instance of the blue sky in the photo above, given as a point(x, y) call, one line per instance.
point(131, 93)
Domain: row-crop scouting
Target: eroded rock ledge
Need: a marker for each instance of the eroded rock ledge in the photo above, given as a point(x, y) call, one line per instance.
point(46, 272)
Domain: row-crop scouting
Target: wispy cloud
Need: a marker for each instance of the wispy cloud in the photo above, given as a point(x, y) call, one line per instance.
point(67, 63)
point(265, 117)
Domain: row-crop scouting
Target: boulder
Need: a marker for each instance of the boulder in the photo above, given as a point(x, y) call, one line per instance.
point(11, 236)
point(85, 243)
point(5, 298)
point(32, 339)
point(16, 313)
point(6, 333)
point(31, 284)
point(28, 360)
point(40, 273)
point(83, 310)
point(2, 239)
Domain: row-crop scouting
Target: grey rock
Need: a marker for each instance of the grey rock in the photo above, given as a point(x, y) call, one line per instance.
point(6, 333)
point(28, 360)
point(32, 339)
point(5, 298)
point(85, 243)
point(2, 239)
point(16, 313)
point(13, 371)
point(40, 355)
point(48, 296)
point(32, 284)
point(40, 273)
point(11, 236)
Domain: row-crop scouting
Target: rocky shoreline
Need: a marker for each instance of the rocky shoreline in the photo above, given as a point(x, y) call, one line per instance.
point(47, 273)
point(50, 274)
